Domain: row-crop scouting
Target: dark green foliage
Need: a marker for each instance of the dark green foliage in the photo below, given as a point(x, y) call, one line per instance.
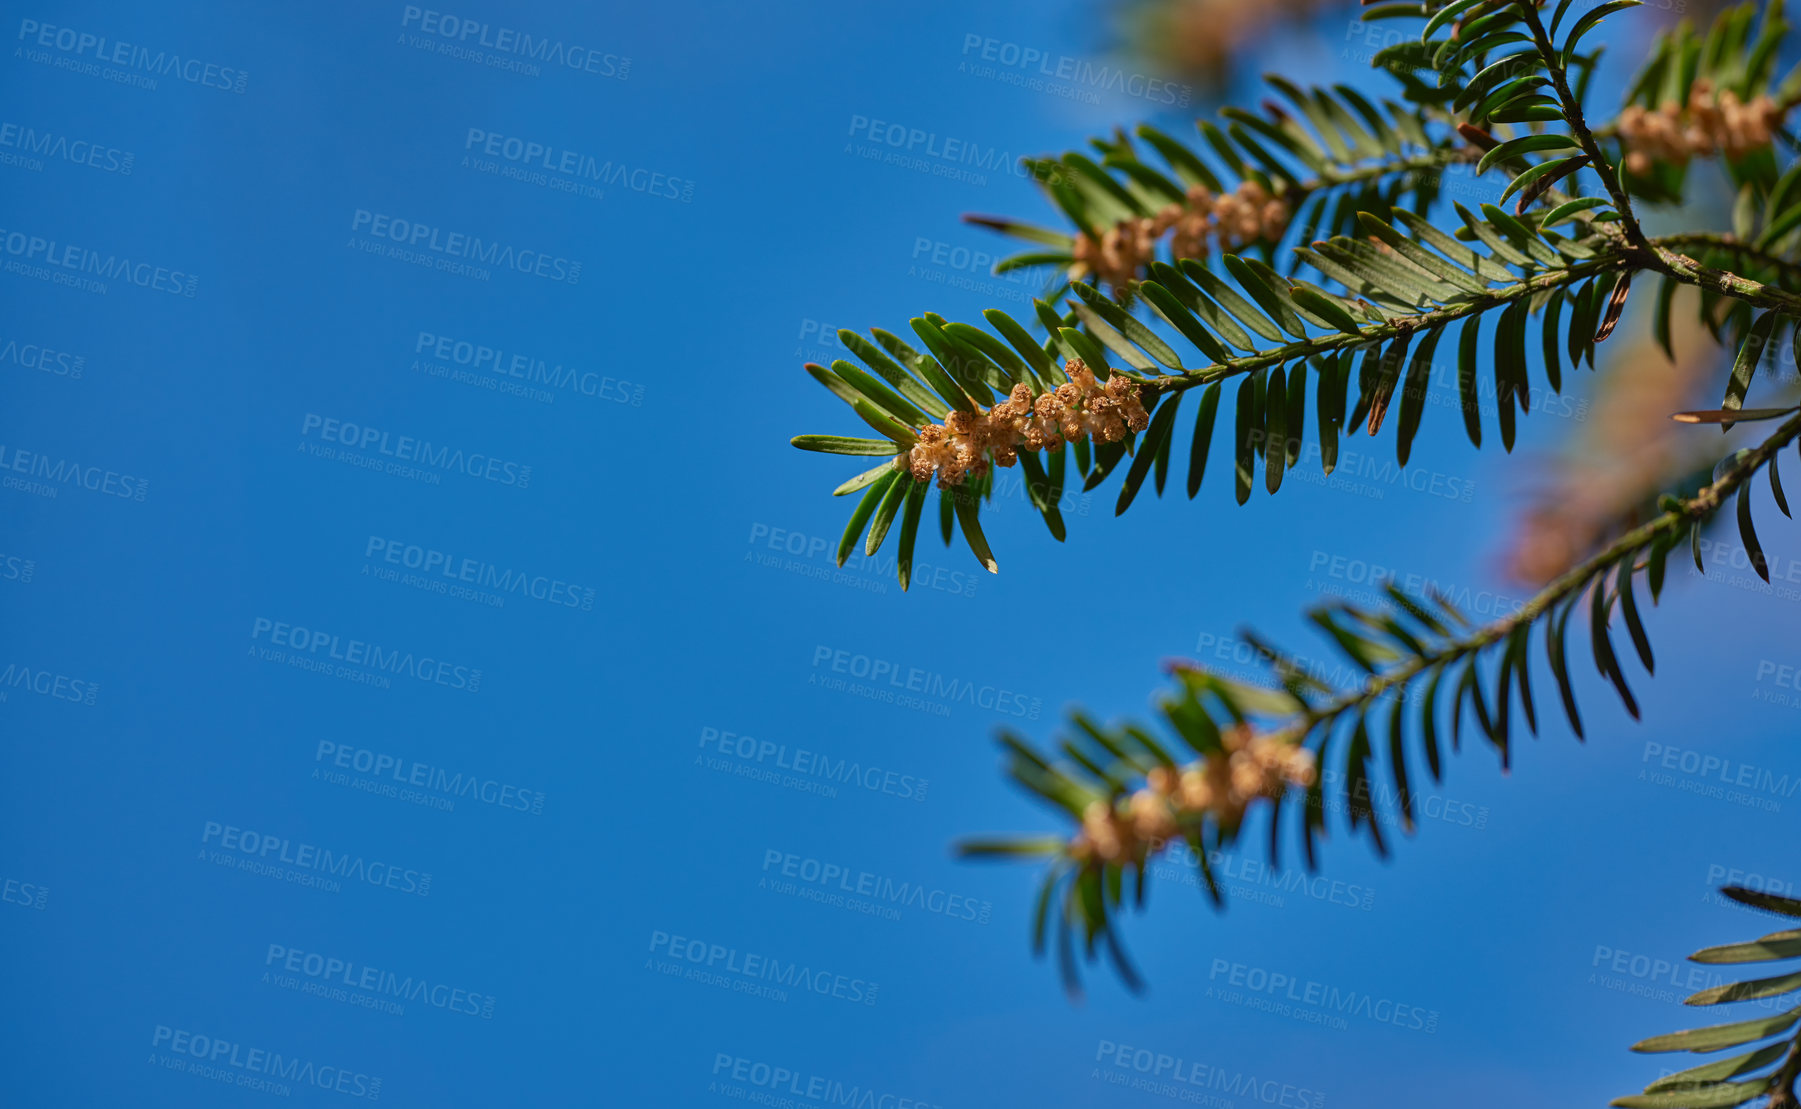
point(1735, 1079)
point(1352, 302)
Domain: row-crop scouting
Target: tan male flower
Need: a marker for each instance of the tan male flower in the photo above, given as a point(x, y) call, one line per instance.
point(1707, 124)
point(1172, 801)
point(1120, 254)
point(965, 444)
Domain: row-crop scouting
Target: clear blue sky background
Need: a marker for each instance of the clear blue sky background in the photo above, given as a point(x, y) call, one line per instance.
point(662, 495)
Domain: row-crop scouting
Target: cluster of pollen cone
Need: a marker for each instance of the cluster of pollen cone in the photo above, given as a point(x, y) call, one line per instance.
point(1707, 124)
point(1237, 218)
point(1172, 801)
point(1080, 408)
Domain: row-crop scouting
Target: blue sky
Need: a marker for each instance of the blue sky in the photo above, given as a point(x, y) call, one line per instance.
point(261, 621)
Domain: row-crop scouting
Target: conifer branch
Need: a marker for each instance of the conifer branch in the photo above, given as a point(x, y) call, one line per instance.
point(1655, 255)
point(1666, 527)
point(1131, 799)
point(1725, 242)
point(1734, 1080)
point(1101, 390)
point(1574, 117)
point(1396, 327)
